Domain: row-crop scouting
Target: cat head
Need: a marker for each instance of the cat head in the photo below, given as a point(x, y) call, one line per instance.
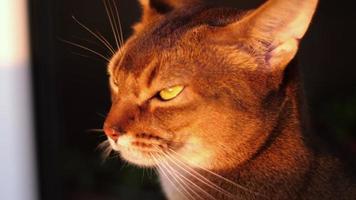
point(202, 83)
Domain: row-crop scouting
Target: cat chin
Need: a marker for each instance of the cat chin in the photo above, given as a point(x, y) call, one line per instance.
point(137, 158)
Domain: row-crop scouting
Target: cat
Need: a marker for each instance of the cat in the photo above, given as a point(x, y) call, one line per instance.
point(211, 98)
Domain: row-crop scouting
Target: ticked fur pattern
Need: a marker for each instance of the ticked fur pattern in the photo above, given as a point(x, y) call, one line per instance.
point(236, 131)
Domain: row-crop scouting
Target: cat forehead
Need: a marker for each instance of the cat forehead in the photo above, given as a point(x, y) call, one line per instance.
point(166, 34)
point(148, 66)
point(165, 48)
point(183, 20)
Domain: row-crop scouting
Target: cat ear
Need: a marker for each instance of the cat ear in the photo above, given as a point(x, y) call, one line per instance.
point(276, 28)
point(152, 9)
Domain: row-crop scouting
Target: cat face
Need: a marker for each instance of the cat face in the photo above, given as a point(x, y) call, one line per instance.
point(216, 105)
point(199, 82)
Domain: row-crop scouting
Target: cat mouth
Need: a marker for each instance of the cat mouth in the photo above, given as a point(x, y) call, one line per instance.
point(142, 158)
point(142, 151)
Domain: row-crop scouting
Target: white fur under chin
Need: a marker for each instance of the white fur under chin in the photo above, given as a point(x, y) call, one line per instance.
point(113, 144)
point(169, 189)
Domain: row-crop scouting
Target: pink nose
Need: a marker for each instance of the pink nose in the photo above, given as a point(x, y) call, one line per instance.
point(111, 132)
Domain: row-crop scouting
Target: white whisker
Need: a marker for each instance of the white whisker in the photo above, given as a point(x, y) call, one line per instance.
point(162, 170)
point(194, 184)
point(114, 21)
point(179, 181)
point(218, 176)
point(183, 182)
point(86, 48)
point(96, 130)
point(198, 176)
point(105, 146)
point(111, 23)
point(119, 22)
point(101, 39)
point(80, 54)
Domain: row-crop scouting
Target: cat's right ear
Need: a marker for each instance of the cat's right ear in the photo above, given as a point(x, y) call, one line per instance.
point(153, 9)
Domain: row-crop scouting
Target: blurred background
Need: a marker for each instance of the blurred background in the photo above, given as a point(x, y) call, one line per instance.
point(69, 96)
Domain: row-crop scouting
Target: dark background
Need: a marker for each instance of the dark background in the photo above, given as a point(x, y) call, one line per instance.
point(72, 96)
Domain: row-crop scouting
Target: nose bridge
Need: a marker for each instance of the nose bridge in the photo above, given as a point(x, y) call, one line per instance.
point(122, 114)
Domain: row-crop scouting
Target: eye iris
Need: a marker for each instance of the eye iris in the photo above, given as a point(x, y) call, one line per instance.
point(170, 93)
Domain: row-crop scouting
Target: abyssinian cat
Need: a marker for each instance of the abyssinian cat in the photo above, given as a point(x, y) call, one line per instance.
point(210, 97)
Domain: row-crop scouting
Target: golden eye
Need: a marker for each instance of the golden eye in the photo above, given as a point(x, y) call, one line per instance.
point(170, 93)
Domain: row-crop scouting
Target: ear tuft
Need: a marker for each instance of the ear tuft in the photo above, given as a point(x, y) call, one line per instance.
point(280, 56)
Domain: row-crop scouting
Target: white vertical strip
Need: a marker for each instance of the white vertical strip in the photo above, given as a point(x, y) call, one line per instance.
point(17, 155)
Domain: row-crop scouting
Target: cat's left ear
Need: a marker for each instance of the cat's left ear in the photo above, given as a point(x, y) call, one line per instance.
point(152, 9)
point(275, 29)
